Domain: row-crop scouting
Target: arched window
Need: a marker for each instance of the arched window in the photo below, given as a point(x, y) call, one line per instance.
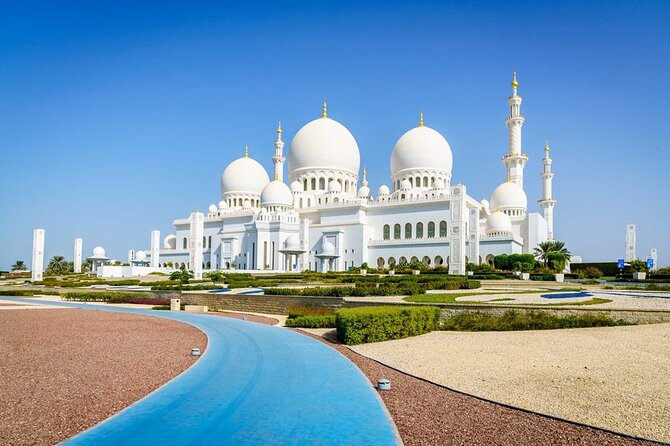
point(322, 184)
point(425, 181)
point(209, 242)
point(313, 183)
point(300, 202)
point(204, 242)
point(411, 181)
point(184, 243)
point(418, 182)
point(431, 229)
point(439, 261)
point(304, 184)
point(391, 262)
point(443, 228)
point(419, 230)
point(209, 265)
point(414, 259)
point(335, 200)
point(489, 259)
point(346, 186)
point(387, 232)
point(408, 230)
point(426, 260)
point(380, 262)
point(396, 231)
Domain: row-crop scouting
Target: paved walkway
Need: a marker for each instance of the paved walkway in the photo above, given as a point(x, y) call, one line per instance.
point(255, 384)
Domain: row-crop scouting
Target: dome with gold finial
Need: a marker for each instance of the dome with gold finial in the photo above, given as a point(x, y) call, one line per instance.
point(323, 144)
point(245, 175)
point(421, 148)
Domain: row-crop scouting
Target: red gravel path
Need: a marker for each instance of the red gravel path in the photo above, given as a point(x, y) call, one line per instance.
point(63, 371)
point(428, 414)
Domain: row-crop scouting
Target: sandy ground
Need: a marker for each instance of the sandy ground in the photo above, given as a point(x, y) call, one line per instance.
point(66, 370)
point(616, 377)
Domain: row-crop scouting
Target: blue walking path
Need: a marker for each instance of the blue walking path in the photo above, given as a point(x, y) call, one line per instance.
point(255, 384)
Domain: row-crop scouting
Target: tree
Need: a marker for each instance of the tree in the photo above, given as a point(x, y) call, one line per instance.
point(556, 261)
point(638, 266)
point(216, 276)
point(181, 275)
point(551, 247)
point(19, 265)
point(57, 265)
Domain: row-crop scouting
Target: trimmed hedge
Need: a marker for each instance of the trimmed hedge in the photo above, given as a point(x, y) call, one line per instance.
point(607, 268)
point(26, 292)
point(374, 324)
point(327, 321)
point(112, 297)
point(513, 320)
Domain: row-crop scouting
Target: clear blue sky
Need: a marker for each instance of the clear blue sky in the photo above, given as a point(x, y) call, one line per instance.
point(116, 117)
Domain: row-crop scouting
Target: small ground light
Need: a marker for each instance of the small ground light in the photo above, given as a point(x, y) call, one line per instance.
point(383, 384)
point(195, 351)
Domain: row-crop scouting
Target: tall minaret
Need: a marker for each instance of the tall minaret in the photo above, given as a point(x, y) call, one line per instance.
point(515, 161)
point(547, 202)
point(278, 159)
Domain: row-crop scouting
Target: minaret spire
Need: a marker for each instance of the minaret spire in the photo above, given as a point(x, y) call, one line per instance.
point(364, 182)
point(547, 202)
point(515, 160)
point(278, 159)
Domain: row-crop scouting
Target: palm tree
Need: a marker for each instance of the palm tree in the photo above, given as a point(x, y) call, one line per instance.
point(19, 265)
point(544, 249)
point(57, 265)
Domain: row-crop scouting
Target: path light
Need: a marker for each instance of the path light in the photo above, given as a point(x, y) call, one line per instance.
point(195, 351)
point(383, 384)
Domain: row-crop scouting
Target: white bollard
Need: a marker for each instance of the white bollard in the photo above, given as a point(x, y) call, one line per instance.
point(175, 304)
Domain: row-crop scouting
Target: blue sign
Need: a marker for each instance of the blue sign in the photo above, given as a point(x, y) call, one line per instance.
point(621, 263)
point(650, 263)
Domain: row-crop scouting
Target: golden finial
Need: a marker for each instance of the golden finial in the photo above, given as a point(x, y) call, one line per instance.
point(246, 151)
point(515, 84)
point(508, 178)
point(324, 114)
point(421, 119)
point(546, 146)
point(279, 130)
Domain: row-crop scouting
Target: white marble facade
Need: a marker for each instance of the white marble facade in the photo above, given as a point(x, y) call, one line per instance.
point(323, 220)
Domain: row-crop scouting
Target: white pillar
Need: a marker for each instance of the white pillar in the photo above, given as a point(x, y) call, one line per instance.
point(38, 255)
point(196, 249)
point(630, 243)
point(456, 228)
point(547, 202)
point(77, 254)
point(653, 254)
point(155, 248)
point(131, 256)
point(515, 160)
point(278, 159)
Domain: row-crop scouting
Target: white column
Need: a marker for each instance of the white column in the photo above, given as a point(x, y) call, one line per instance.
point(278, 159)
point(457, 231)
point(547, 202)
point(653, 254)
point(515, 160)
point(77, 254)
point(630, 243)
point(131, 256)
point(155, 248)
point(195, 256)
point(38, 255)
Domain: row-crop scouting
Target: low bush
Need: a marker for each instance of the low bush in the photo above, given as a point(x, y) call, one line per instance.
point(325, 321)
point(298, 311)
point(26, 292)
point(114, 297)
point(513, 320)
point(375, 324)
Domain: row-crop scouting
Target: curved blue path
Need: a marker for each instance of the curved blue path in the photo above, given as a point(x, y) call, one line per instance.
point(255, 384)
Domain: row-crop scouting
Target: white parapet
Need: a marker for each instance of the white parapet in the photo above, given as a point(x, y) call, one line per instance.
point(78, 244)
point(38, 255)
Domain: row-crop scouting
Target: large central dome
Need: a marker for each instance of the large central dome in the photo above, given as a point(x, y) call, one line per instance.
point(323, 144)
point(244, 175)
point(421, 148)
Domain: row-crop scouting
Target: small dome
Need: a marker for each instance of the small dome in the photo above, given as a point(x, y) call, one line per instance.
point(498, 222)
point(223, 205)
point(421, 148)
point(212, 208)
point(170, 242)
point(292, 242)
point(405, 184)
point(98, 251)
point(327, 247)
point(508, 196)
point(140, 256)
point(383, 190)
point(324, 143)
point(363, 192)
point(244, 175)
point(334, 186)
point(276, 194)
point(296, 186)
point(439, 184)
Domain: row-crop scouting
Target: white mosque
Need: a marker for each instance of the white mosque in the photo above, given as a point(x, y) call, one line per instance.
point(325, 221)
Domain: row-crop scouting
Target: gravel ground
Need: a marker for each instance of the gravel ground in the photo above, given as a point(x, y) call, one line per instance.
point(428, 414)
point(616, 377)
point(64, 371)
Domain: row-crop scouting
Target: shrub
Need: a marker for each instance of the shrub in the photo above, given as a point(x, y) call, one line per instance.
point(591, 272)
point(374, 324)
point(533, 320)
point(325, 321)
point(104, 296)
point(26, 292)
